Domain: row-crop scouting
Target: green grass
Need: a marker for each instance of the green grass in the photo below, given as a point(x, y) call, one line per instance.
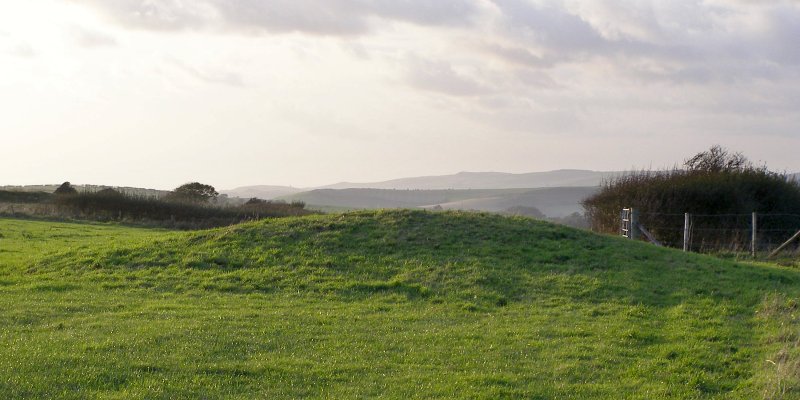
point(394, 304)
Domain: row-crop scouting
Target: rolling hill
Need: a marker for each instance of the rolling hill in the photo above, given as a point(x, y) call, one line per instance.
point(390, 198)
point(553, 202)
point(385, 303)
point(488, 180)
point(459, 181)
point(266, 192)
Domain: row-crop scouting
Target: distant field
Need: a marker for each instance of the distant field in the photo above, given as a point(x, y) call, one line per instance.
point(552, 201)
point(397, 304)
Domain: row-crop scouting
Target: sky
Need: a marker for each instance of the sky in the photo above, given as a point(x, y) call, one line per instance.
point(156, 93)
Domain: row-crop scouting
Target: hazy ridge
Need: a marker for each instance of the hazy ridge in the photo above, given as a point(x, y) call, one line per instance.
point(489, 180)
point(553, 201)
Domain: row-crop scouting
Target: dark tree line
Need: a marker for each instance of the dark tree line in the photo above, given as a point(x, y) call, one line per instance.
point(188, 206)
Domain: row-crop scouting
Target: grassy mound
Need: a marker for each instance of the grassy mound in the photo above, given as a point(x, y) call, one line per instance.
point(392, 303)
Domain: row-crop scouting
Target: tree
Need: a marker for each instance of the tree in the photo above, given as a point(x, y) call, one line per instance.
point(718, 159)
point(193, 192)
point(65, 188)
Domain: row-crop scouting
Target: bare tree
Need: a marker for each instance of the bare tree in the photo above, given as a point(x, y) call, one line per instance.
point(718, 159)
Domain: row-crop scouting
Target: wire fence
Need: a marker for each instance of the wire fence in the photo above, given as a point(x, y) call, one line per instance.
point(713, 233)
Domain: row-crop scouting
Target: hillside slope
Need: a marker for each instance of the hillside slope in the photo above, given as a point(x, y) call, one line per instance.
point(554, 202)
point(394, 304)
point(390, 198)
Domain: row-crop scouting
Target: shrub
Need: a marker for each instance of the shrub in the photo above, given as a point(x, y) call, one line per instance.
point(65, 189)
point(7, 196)
point(714, 182)
point(113, 205)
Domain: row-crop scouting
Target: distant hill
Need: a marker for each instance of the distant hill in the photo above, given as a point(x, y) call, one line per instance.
point(489, 180)
point(266, 192)
point(389, 198)
point(553, 202)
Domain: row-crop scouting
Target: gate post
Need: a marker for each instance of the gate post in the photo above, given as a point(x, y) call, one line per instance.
point(754, 239)
point(686, 221)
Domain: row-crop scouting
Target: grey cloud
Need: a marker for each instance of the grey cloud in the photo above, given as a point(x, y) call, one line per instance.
point(425, 12)
point(688, 41)
point(563, 36)
point(781, 43)
point(519, 56)
point(318, 17)
point(551, 26)
point(711, 72)
point(323, 17)
point(685, 36)
point(535, 79)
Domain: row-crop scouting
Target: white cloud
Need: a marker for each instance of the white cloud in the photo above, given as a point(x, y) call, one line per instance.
point(91, 38)
point(308, 92)
point(22, 50)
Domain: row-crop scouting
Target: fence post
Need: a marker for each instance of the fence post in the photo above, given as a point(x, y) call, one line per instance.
point(623, 217)
point(686, 220)
point(625, 220)
point(786, 243)
point(753, 240)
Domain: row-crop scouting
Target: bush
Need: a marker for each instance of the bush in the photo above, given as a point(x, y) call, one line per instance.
point(258, 208)
point(112, 205)
point(65, 189)
point(714, 183)
point(7, 196)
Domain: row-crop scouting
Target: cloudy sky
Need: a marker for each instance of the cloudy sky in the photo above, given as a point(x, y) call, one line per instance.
point(156, 93)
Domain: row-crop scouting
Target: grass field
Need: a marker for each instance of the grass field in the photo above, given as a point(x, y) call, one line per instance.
point(393, 304)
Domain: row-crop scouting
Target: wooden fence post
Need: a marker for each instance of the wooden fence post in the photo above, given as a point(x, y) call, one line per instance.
point(786, 243)
point(686, 221)
point(754, 238)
